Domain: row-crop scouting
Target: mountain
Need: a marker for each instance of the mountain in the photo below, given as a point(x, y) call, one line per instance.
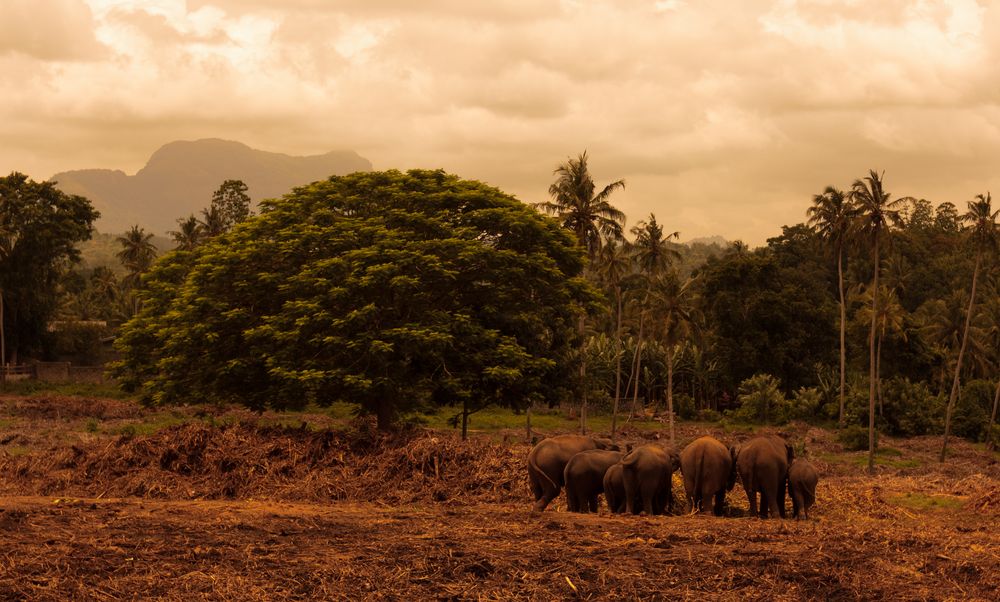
point(709, 240)
point(181, 176)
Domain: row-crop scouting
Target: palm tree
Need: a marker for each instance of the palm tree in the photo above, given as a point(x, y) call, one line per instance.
point(189, 235)
point(653, 255)
point(943, 325)
point(213, 222)
point(876, 214)
point(890, 318)
point(137, 255)
point(8, 239)
point(613, 266)
point(830, 217)
point(671, 303)
point(593, 219)
point(982, 233)
point(992, 324)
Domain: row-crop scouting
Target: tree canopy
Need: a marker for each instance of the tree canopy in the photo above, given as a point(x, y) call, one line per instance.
point(39, 228)
point(386, 289)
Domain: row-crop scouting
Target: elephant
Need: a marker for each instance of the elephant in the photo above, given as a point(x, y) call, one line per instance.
point(614, 489)
point(762, 463)
point(547, 460)
point(584, 477)
point(802, 479)
point(709, 469)
point(647, 471)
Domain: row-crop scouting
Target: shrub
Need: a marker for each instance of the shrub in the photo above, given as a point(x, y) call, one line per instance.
point(910, 408)
point(684, 406)
point(761, 401)
point(972, 410)
point(708, 415)
point(855, 438)
point(806, 404)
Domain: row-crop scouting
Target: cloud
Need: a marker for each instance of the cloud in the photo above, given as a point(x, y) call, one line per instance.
point(48, 30)
point(723, 117)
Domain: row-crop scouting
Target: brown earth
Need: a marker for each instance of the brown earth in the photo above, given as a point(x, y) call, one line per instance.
point(245, 512)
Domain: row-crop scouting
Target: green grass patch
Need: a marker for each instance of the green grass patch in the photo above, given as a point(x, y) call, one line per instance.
point(5, 424)
point(16, 450)
point(496, 419)
point(921, 501)
point(151, 424)
point(35, 387)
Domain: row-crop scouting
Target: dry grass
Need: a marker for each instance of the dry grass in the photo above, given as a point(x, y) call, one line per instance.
point(245, 512)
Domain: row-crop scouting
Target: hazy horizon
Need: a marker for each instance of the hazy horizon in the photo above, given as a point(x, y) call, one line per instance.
point(724, 119)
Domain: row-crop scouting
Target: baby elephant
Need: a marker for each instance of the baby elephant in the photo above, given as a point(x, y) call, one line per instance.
point(646, 472)
point(584, 476)
point(802, 479)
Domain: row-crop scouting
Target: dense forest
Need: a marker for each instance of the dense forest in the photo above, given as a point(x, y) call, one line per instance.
point(875, 310)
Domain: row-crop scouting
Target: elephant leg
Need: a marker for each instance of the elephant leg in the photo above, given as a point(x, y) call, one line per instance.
point(647, 494)
point(705, 502)
point(797, 503)
point(547, 496)
point(781, 499)
point(752, 499)
point(773, 510)
point(536, 487)
point(720, 503)
point(593, 503)
point(631, 492)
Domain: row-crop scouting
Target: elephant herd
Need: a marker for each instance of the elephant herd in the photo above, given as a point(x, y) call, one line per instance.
point(638, 480)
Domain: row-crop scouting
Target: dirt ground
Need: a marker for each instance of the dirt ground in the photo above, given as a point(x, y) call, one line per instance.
point(252, 513)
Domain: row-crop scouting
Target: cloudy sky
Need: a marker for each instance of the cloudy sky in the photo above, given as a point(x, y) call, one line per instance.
point(723, 117)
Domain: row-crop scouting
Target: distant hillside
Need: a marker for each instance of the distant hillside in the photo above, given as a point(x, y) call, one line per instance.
point(180, 177)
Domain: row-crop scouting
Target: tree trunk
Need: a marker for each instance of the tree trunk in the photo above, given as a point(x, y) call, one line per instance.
point(618, 364)
point(958, 364)
point(3, 349)
point(670, 391)
point(465, 420)
point(871, 367)
point(583, 374)
point(990, 443)
point(878, 373)
point(843, 334)
point(384, 414)
point(638, 364)
point(527, 425)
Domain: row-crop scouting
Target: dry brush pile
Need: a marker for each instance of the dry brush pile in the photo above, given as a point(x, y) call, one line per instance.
point(246, 461)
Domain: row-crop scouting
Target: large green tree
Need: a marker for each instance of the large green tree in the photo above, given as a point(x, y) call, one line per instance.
point(388, 290)
point(232, 203)
point(39, 229)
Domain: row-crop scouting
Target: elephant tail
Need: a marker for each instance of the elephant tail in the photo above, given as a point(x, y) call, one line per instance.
point(698, 474)
point(534, 466)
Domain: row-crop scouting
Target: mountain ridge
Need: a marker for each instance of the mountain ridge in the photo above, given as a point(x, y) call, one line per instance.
point(179, 178)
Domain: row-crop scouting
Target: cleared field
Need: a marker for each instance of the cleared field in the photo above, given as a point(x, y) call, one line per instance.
point(252, 512)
